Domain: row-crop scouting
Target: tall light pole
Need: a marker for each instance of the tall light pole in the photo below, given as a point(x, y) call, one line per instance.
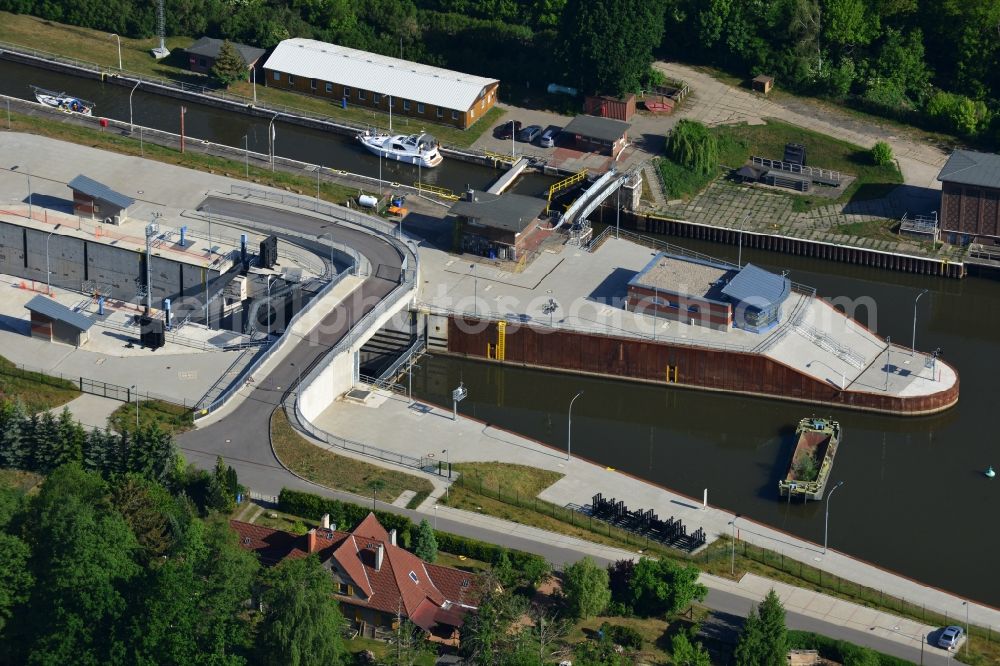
point(913, 343)
point(246, 153)
point(131, 127)
point(48, 271)
point(739, 256)
point(475, 291)
point(135, 387)
point(119, 50)
point(826, 521)
point(968, 636)
point(269, 278)
point(569, 426)
point(31, 209)
point(512, 128)
point(618, 209)
point(732, 563)
point(333, 269)
point(272, 140)
point(888, 359)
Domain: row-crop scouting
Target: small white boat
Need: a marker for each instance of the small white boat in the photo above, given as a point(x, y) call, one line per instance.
point(63, 102)
point(419, 149)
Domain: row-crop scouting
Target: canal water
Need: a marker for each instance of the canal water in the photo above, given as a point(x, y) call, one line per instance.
point(915, 499)
point(328, 149)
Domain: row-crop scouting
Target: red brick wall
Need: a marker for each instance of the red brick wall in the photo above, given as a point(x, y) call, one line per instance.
point(970, 210)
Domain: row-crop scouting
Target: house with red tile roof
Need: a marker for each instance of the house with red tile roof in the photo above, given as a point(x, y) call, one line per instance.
point(377, 581)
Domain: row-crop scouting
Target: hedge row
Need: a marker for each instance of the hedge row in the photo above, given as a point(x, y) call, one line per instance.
point(342, 514)
point(839, 651)
point(346, 515)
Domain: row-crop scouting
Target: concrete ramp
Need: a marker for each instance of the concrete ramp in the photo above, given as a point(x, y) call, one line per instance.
point(593, 197)
point(504, 182)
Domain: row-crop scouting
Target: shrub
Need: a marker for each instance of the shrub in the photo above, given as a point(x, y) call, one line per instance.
point(882, 153)
point(627, 637)
point(344, 515)
point(840, 651)
point(958, 113)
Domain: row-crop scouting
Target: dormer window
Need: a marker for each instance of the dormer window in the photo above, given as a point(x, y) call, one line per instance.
point(465, 583)
point(413, 577)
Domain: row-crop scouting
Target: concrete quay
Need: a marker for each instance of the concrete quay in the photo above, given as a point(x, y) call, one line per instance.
point(431, 430)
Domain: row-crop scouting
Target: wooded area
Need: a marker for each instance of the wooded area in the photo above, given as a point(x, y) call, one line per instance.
point(932, 62)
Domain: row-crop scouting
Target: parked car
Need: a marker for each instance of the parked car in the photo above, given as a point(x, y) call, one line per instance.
point(548, 138)
point(951, 637)
point(507, 130)
point(529, 133)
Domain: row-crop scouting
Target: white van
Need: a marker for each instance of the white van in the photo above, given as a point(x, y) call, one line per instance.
point(548, 138)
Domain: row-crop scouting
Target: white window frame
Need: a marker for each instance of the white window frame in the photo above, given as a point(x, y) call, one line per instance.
point(440, 112)
point(420, 107)
point(454, 115)
point(406, 105)
point(328, 87)
point(362, 95)
point(277, 76)
point(291, 80)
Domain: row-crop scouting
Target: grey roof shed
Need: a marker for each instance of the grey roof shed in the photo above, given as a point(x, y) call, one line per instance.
point(59, 312)
point(604, 129)
point(209, 48)
point(512, 212)
point(757, 287)
point(97, 190)
point(968, 167)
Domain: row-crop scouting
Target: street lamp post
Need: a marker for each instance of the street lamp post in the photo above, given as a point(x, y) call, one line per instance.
point(739, 256)
point(475, 291)
point(732, 562)
point(31, 209)
point(512, 128)
point(272, 139)
point(48, 271)
point(826, 521)
point(569, 426)
point(119, 50)
point(246, 153)
point(135, 387)
point(447, 488)
point(333, 270)
point(888, 359)
point(968, 636)
point(268, 313)
point(131, 126)
point(913, 342)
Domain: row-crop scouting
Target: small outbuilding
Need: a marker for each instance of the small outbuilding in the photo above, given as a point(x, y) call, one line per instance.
point(762, 83)
point(204, 52)
point(598, 135)
point(98, 201)
point(55, 322)
point(619, 108)
point(497, 226)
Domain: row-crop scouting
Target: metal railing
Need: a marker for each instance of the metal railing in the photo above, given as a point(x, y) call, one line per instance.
point(415, 349)
point(382, 384)
point(239, 381)
point(84, 384)
point(792, 167)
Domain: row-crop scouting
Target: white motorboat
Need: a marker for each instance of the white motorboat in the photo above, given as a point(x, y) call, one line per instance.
point(63, 102)
point(419, 149)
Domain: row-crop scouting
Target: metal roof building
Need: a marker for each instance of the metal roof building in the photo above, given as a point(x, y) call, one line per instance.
point(53, 321)
point(97, 200)
point(360, 77)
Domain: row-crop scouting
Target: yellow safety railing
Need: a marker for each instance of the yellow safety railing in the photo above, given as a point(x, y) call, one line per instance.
point(501, 340)
point(563, 184)
point(442, 192)
point(500, 157)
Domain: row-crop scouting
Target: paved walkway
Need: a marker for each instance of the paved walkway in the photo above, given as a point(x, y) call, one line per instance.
point(92, 411)
point(380, 421)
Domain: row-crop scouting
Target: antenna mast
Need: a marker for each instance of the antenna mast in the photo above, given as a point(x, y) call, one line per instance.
point(161, 51)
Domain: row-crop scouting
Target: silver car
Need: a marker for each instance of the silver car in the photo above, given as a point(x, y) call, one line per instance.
point(548, 138)
point(951, 637)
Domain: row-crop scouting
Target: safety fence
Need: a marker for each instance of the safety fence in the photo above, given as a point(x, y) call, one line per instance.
point(83, 384)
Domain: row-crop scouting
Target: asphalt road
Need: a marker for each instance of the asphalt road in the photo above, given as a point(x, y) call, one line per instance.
point(242, 437)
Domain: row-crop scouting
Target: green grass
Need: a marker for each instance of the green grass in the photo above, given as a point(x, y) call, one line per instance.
point(37, 391)
point(879, 229)
point(115, 142)
point(100, 48)
point(654, 632)
point(738, 142)
point(170, 417)
point(514, 479)
point(333, 471)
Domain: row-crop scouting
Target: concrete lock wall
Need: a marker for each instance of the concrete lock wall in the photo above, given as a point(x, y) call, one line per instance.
point(337, 377)
point(115, 268)
point(11, 249)
point(65, 259)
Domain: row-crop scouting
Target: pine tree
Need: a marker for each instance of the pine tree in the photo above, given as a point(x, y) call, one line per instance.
point(13, 420)
point(68, 445)
point(229, 65)
point(45, 443)
point(97, 450)
point(426, 547)
point(764, 639)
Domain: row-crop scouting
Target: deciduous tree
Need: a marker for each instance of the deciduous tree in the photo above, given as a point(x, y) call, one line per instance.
point(585, 588)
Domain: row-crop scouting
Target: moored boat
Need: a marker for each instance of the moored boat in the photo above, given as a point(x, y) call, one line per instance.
point(419, 149)
point(812, 460)
point(62, 101)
